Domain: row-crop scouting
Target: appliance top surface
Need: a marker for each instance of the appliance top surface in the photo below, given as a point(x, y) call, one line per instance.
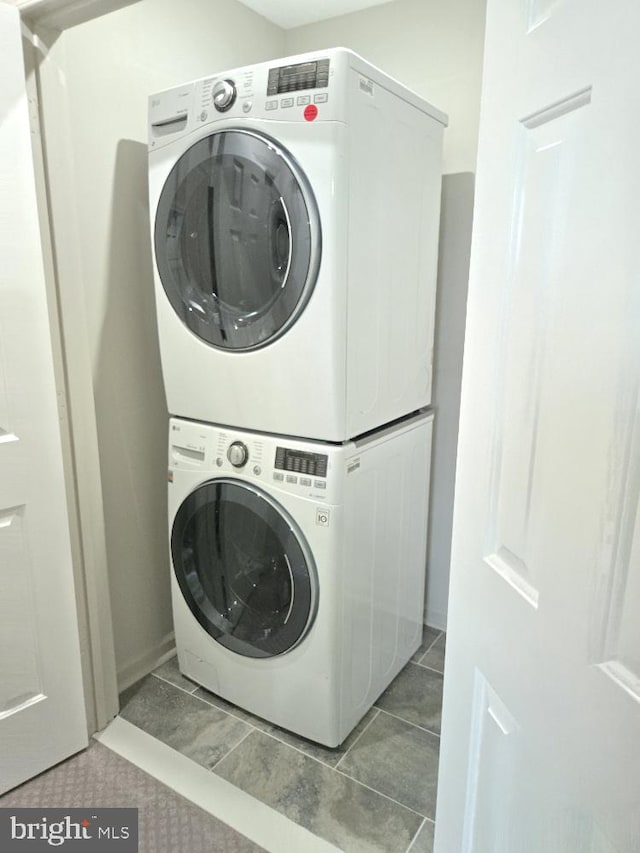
point(275, 88)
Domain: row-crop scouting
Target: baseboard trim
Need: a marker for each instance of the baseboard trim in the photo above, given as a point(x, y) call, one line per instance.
point(436, 619)
point(146, 662)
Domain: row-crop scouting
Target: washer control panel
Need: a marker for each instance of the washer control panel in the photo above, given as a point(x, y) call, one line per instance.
point(301, 462)
point(238, 454)
point(262, 459)
point(301, 468)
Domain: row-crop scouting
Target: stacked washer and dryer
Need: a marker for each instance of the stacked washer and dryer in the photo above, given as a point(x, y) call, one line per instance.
point(295, 209)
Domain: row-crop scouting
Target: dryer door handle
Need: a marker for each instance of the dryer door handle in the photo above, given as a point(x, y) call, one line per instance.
point(293, 593)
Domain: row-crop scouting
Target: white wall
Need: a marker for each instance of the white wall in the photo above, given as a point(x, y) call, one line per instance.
point(95, 83)
point(451, 310)
point(433, 46)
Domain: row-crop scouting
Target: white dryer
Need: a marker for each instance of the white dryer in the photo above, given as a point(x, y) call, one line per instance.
point(295, 211)
point(298, 568)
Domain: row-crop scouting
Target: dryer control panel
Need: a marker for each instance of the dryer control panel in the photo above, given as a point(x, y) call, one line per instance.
point(304, 91)
point(307, 88)
point(294, 78)
point(325, 85)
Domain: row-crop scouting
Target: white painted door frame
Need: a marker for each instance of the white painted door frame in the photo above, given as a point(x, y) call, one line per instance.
point(59, 14)
point(72, 365)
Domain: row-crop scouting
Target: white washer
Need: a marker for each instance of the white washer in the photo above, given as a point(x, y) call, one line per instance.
point(295, 211)
point(298, 568)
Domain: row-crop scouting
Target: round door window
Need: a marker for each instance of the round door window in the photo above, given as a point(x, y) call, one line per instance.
point(244, 568)
point(237, 239)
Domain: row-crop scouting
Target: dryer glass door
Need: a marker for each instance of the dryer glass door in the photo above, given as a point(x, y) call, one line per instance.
point(244, 568)
point(237, 239)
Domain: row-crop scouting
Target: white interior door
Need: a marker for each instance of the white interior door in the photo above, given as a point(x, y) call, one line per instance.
point(541, 732)
point(42, 716)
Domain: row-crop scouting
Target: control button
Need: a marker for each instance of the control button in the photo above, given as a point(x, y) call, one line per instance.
point(271, 105)
point(322, 517)
point(246, 107)
point(305, 481)
point(224, 95)
point(303, 100)
point(279, 476)
point(321, 99)
point(319, 484)
point(219, 461)
point(204, 115)
point(257, 470)
point(291, 478)
point(238, 454)
point(286, 102)
point(310, 112)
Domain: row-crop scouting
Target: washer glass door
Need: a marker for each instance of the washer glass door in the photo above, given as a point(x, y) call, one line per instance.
point(237, 239)
point(244, 568)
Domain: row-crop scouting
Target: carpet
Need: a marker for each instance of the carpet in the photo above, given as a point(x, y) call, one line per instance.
point(167, 823)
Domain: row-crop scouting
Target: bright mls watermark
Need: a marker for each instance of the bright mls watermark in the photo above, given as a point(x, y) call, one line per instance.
point(102, 830)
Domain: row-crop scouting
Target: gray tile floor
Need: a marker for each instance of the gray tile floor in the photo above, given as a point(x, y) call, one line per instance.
point(376, 793)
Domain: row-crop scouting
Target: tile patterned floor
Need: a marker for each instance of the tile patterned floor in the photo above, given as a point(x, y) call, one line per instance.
point(376, 793)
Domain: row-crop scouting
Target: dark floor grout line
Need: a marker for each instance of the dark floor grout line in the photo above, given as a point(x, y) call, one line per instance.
point(430, 668)
point(341, 772)
point(211, 705)
point(250, 726)
point(319, 761)
point(431, 645)
point(379, 793)
point(426, 651)
point(415, 837)
point(177, 686)
point(413, 840)
point(409, 723)
point(235, 746)
point(374, 717)
point(225, 711)
point(274, 736)
point(422, 666)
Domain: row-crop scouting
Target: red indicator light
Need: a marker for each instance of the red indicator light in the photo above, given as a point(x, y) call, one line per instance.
point(310, 112)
